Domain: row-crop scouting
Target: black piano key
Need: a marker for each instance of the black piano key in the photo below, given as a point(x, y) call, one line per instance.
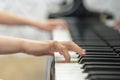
point(116, 46)
point(104, 77)
point(78, 39)
point(97, 56)
point(114, 42)
point(92, 47)
point(109, 38)
point(101, 53)
point(102, 73)
point(100, 64)
point(91, 44)
point(102, 68)
point(117, 50)
point(99, 60)
point(99, 50)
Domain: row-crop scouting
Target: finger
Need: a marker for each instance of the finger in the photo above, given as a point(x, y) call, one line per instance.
point(63, 24)
point(51, 27)
point(59, 23)
point(79, 50)
point(65, 53)
point(117, 27)
point(117, 23)
point(74, 47)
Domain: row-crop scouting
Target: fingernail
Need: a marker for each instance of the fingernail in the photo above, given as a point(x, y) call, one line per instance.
point(84, 51)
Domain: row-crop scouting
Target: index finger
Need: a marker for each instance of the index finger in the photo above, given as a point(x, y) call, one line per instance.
point(74, 47)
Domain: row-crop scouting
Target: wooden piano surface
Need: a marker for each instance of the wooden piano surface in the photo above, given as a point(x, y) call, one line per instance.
point(22, 68)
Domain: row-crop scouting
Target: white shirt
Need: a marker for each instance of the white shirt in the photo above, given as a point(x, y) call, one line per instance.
point(112, 6)
point(30, 8)
point(34, 9)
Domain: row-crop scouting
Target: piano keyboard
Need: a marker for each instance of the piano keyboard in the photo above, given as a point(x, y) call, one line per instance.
point(62, 69)
point(102, 44)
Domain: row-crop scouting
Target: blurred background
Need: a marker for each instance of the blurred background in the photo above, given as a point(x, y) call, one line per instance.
point(23, 67)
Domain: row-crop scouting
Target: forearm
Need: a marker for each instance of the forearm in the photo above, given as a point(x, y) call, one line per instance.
point(10, 45)
point(11, 19)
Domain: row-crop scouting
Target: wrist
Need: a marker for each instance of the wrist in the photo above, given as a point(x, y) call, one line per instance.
point(33, 23)
point(23, 45)
point(32, 47)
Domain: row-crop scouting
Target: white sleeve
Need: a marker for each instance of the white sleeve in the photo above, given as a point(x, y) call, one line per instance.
point(97, 5)
point(3, 4)
point(110, 6)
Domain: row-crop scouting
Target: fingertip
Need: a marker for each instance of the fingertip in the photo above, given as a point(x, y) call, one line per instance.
point(67, 61)
point(66, 56)
point(82, 52)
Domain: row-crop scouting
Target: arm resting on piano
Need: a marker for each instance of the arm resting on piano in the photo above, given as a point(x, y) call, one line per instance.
point(11, 19)
point(10, 45)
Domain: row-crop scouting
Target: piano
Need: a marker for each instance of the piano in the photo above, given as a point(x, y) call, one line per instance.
point(102, 44)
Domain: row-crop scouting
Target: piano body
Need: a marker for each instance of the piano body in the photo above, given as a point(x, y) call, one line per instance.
point(102, 44)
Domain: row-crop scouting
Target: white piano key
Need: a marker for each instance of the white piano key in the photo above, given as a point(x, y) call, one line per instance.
point(72, 54)
point(69, 71)
point(61, 35)
point(60, 58)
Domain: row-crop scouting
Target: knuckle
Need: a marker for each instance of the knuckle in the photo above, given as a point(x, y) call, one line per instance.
point(51, 42)
point(63, 47)
point(52, 45)
point(70, 42)
point(55, 42)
